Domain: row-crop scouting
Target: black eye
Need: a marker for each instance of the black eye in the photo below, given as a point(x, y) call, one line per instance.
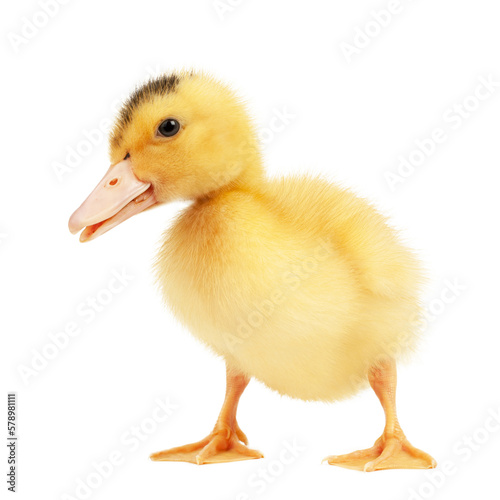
point(169, 127)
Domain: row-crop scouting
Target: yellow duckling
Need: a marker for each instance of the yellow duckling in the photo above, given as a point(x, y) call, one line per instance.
point(296, 282)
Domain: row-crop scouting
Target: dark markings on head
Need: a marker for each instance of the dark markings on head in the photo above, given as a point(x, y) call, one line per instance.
point(159, 86)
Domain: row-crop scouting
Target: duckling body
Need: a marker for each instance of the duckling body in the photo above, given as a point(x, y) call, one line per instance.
point(274, 286)
point(295, 282)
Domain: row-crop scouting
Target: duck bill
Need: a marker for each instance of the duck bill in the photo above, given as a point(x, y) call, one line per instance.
point(118, 196)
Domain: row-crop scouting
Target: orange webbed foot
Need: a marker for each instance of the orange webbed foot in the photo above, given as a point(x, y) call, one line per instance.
point(223, 444)
point(390, 451)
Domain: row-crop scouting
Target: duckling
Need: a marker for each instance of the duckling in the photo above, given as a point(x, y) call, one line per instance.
point(294, 281)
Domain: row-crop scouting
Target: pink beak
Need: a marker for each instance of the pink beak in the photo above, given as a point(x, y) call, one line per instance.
point(118, 196)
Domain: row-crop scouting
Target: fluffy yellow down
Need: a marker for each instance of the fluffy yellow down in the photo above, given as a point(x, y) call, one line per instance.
point(300, 284)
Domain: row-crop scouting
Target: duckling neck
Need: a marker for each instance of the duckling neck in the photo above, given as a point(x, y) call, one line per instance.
point(251, 180)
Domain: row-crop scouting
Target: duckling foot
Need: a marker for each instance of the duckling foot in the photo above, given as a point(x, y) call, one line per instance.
point(390, 451)
point(223, 444)
point(226, 443)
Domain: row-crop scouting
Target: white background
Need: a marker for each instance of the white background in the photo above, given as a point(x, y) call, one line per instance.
point(352, 120)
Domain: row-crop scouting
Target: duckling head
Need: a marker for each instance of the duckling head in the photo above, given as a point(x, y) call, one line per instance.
point(182, 136)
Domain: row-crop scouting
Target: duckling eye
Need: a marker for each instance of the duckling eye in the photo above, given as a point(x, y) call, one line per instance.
point(169, 127)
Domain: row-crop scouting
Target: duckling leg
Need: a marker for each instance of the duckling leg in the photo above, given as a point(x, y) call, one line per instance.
point(391, 450)
point(226, 443)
